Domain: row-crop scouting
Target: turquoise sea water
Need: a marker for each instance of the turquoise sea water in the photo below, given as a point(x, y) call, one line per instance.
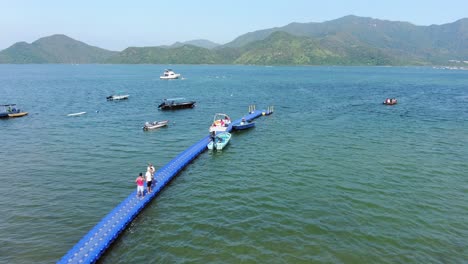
point(332, 176)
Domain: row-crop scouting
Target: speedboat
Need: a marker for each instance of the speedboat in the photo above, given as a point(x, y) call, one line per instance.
point(220, 141)
point(117, 97)
point(169, 75)
point(154, 125)
point(220, 123)
point(176, 103)
point(10, 110)
point(390, 101)
point(243, 125)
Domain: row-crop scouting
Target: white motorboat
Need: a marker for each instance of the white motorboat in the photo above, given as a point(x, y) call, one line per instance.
point(155, 124)
point(117, 97)
point(220, 123)
point(169, 75)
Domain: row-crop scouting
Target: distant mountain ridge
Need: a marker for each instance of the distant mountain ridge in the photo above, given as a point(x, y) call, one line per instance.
point(54, 49)
point(349, 40)
point(202, 43)
point(281, 48)
point(433, 43)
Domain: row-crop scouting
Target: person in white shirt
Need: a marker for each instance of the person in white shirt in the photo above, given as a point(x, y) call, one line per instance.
point(151, 169)
point(149, 181)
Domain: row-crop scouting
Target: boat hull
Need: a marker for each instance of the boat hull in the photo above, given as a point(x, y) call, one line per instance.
point(176, 106)
point(218, 128)
point(117, 97)
point(170, 77)
point(243, 126)
point(18, 114)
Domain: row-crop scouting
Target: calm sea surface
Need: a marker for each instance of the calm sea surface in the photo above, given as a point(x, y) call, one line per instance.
point(333, 176)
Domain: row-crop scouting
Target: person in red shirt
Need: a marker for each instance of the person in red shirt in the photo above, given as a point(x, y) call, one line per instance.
point(140, 183)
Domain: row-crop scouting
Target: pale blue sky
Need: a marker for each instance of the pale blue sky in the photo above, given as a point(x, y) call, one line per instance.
point(119, 24)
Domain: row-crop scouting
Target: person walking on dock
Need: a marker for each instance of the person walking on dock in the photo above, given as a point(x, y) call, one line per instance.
point(140, 189)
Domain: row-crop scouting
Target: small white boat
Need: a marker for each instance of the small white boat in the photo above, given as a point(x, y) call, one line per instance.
point(117, 97)
point(169, 75)
point(220, 123)
point(390, 101)
point(77, 114)
point(154, 125)
point(220, 141)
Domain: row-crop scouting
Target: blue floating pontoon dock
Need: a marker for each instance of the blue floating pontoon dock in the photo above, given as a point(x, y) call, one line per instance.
point(98, 239)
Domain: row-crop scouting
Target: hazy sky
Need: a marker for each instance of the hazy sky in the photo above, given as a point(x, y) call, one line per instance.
point(119, 24)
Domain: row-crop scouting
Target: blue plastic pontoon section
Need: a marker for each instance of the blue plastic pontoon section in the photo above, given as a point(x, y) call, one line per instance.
point(98, 239)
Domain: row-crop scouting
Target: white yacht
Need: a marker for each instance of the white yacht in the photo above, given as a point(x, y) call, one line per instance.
point(169, 75)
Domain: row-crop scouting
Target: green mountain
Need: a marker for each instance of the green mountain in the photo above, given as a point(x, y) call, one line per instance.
point(349, 40)
point(418, 44)
point(54, 49)
point(186, 54)
point(281, 48)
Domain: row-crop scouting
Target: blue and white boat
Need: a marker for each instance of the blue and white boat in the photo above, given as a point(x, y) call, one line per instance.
point(220, 141)
point(243, 125)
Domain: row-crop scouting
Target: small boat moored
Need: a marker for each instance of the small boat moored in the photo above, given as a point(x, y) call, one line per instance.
point(169, 75)
point(176, 103)
point(10, 110)
point(390, 101)
point(220, 122)
point(155, 124)
point(219, 141)
point(77, 114)
point(243, 125)
point(117, 97)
